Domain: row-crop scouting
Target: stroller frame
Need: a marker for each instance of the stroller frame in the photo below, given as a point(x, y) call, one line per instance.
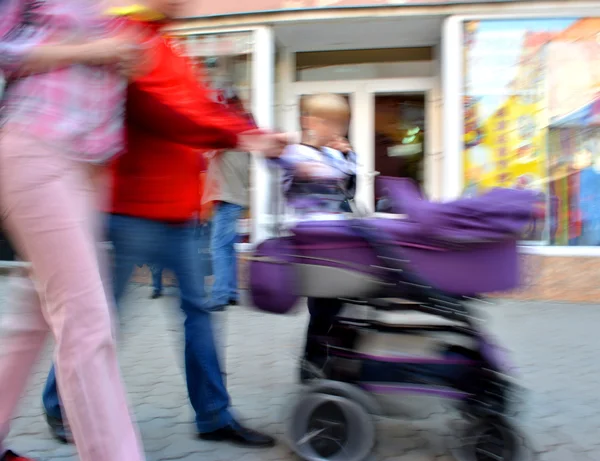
point(342, 399)
point(332, 420)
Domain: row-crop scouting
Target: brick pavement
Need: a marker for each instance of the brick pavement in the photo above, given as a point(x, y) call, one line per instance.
point(556, 347)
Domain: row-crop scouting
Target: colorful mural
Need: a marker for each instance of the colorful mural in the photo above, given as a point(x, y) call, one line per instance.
point(532, 116)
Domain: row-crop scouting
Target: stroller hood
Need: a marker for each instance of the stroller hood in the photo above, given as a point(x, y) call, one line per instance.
point(499, 214)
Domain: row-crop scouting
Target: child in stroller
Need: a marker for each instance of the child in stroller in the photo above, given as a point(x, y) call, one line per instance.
point(458, 250)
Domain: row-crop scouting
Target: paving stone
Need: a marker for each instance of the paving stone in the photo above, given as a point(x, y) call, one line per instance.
point(555, 347)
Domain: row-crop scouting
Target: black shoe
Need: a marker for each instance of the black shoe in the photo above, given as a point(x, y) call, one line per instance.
point(233, 302)
point(239, 435)
point(58, 430)
point(156, 295)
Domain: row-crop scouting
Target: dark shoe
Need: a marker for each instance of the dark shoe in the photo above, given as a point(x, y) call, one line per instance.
point(12, 456)
point(156, 295)
point(58, 430)
point(239, 435)
point(233, 302)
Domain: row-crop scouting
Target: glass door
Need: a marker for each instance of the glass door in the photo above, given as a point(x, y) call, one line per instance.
point(399, 136)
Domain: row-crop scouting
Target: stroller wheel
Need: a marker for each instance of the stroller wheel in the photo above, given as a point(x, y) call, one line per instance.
point(325, 427)
point(492, 438)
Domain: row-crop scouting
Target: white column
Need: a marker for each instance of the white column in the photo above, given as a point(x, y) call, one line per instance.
point(434, 157)
point(263, 102)
point(452, 87)
point(362, 139)
point(286, 99)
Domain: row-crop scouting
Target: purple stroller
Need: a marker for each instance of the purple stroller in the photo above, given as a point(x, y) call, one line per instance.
point(431, 262)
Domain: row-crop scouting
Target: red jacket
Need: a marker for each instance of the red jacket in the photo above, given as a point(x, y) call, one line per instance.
point(170, 118)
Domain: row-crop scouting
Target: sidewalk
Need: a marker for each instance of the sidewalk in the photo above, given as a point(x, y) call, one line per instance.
point(556, 347)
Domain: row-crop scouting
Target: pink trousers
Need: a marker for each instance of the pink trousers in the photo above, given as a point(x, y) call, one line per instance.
point(49, 207)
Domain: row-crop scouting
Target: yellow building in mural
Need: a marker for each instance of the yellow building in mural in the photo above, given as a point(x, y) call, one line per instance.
point(516, 144)
point(513, 137)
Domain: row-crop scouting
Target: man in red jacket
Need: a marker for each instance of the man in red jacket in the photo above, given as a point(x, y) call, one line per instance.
point(170, 118)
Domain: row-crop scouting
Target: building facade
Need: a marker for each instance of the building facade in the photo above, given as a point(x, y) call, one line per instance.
point(460, 96)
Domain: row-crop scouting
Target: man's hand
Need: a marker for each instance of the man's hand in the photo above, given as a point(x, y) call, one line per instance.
point(268, 145)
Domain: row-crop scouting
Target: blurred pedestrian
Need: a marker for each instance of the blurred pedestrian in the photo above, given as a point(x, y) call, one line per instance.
point(61, 115)
point(156, 271)
point(155, 202)
point(203, 231)
point(228, 191)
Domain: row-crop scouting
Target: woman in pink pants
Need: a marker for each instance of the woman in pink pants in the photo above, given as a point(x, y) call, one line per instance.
point(61, 113)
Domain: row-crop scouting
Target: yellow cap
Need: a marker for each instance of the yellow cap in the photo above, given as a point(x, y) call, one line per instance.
point(136, 12)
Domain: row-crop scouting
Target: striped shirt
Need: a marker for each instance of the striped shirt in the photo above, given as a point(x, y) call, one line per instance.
point(80, 107)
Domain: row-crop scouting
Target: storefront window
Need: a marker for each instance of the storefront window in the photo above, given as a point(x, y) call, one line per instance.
point(225, 61)
point(532, 117)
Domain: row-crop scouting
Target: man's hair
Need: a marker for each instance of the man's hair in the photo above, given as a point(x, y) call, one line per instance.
point(327, 105)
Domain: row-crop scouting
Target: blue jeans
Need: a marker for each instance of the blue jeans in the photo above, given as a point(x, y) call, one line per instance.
point(223, 240)
point(174, 247)
point(203, 236)
point(157, 273)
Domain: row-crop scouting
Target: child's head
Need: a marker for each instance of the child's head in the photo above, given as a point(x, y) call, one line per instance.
point(325, 117)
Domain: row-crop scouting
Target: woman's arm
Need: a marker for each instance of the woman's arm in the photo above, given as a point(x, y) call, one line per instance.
point(26, 59)
point(19, 57)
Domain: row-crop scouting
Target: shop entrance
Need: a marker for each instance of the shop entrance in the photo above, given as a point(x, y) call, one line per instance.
point(399, 135)
point(389, 128)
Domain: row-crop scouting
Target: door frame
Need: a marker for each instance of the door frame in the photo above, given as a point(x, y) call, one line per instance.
point(362, 105)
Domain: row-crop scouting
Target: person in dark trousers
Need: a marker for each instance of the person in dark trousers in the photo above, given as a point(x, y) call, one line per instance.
point(154, 210)
point(157, 281)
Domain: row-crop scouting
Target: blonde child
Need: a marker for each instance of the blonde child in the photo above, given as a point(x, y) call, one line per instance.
point(319, 172)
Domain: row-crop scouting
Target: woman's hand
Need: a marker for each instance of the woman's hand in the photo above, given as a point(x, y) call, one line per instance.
point(123, 50)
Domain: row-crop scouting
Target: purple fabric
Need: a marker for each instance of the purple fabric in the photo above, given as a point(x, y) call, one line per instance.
point(496, 215)
point(465, 247)
point(273, 277)
point(473, 270)
point(462, 269)
point(396, 190)
point(324, 192)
